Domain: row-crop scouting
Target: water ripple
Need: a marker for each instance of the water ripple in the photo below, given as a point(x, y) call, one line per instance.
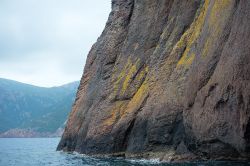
point(41, 151)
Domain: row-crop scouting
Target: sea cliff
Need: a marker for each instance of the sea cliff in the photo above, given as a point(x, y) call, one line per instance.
point(166, 79)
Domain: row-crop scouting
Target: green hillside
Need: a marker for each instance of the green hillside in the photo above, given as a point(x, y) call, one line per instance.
point(41, 109)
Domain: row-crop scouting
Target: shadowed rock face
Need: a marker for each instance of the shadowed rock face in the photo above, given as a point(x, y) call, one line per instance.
point(168, 79)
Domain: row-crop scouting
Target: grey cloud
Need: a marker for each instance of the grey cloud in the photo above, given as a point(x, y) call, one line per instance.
point(59, 31)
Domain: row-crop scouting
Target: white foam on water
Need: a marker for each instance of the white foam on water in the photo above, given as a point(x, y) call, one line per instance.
point(132, 161)
point(144, 161)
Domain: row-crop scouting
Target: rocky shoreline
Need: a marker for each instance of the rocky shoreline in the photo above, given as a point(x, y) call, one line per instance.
point(162, 157)
point(29, 133)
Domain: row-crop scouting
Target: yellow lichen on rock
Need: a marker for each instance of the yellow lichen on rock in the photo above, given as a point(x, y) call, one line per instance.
point(143, 73)
point(138, 98)
point(122, 108)
point(118, 79)
point(125, 77)
point(187, 60)
point(191, 36)
point(220, 9)
point(115, 112)
point(132, 69)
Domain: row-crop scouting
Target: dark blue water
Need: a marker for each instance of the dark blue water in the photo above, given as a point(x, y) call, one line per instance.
point(41, 151)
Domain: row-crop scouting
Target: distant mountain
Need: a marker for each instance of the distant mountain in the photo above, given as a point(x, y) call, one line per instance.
point(37, 111)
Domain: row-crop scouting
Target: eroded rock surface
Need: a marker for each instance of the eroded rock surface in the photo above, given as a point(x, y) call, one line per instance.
point(168, 79)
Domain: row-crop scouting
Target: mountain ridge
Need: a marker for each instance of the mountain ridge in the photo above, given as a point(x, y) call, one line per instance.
point(25, 108)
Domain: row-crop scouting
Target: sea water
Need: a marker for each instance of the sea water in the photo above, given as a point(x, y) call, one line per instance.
point(42, 152)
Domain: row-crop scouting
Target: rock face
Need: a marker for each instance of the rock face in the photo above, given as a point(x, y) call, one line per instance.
point(168, 79)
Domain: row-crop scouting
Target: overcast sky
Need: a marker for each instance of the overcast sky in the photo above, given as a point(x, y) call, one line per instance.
point(46, 42)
